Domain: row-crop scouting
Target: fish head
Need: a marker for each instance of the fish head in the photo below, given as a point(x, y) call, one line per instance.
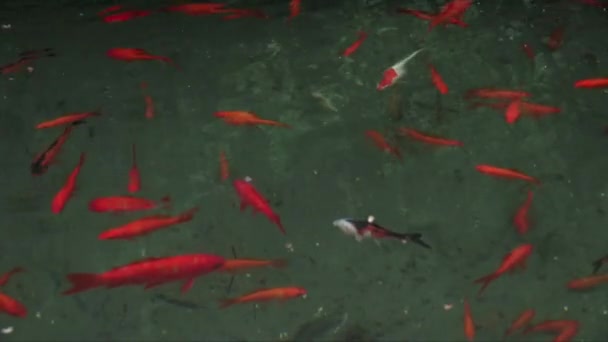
point(347, 226)
point(388, 78)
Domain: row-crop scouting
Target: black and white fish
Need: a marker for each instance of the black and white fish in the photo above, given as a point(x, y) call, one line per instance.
point(362, 229)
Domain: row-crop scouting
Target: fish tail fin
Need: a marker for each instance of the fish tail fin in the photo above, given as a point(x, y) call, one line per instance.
point(279, 263)
point(188, 215)
point(411, 237)
point(224, 303)
point(82, 282)
point(485, 281)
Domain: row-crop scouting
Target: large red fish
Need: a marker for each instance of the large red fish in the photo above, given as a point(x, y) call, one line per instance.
point(146, 225)
point(149, 272)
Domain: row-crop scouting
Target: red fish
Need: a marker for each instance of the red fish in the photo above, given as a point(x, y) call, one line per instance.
point(429, 139)
point(125, 16)
point(592, 83)
point(295, 6)
point(516, 258)
point(587, 283)
point(8, 275)
point(520, 220)
point(393, 74)
point(564, 329)
point(495, 171)
point(522, 321)
point(380, 141)
point(493, 93)
point(42, 161)
point(197, 8)
point(146, 225)
point(236, 265)
point(250, 196)
point(469, 323)
point(26, 58)
point(136, 54)
point(149, 272)
point(438, 80)
point(264, 295)
point(452, 10)
point(149, 114)
point(242, 118)
point(224, 167)
point(125, 203)
point(65, 193)
point(513, 111)
point(134, 176)
point(11, 306)
point(355, 46)
point(67, 119)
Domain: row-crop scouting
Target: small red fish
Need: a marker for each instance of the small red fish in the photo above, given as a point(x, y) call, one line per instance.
point(587, 283)
point(592, 83)
point(380, 141)
point(520, 220)
point(429, 16)
point(134, 184)
point(493, 93)
point(513, 111)
point(454, 9)
point(522, 321)
point(11, 306)
point(505, 173)
point(149, 272)
point(242, 118)
point(197, 8)
point(136, 54)
point(125, 16)
point(125, 203)
point(149, 113)
point(224, 167)
point(469, 323)
point(429, 139)
point(564, 329)
point(438, 80)
point(516, 258)
point(42, 161)
point(250, 196)
point(264, 295)
point(146, 225)
point(67, 119)
point(355, 46)
point(8, 275)
point(65, 193)
point(236, 265)
point(295, 6)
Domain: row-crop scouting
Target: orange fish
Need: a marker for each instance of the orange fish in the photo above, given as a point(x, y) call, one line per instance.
point(516, 258)
point(149, 114)
point(438, 80)
point(224, 167)
point(250, 196)
point(452, 10)
point(149, 272)
point(146, 225)
point(586, 283)
point(522, 321)
point(125, 203)
point(564, 329)
point(197, 8)
point(26, 58)
point(236, 265)
point(8, 275)
point(295, 6)
point(67, 119)
point(241, 118)
point(414, 134)
point(355, 46)
point(11, 306)
point(378, 139)
point(394, 73)
point(505, 173)
point(136, 54)
point(429, 16)
point(263, 295)
point(469, 323)
point(125, 16)
point(134, 176)
point(65, 193)
point(520, 220)
point(42, 161)
point(592, 83)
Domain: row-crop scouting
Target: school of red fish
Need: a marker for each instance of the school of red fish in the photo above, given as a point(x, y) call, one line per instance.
point(149, 272)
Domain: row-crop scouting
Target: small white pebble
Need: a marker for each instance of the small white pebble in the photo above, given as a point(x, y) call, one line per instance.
point(7, 330)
